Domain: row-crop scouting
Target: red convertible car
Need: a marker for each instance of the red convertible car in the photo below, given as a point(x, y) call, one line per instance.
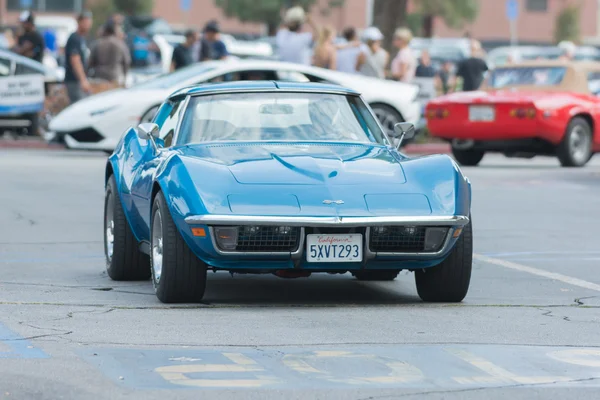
point(522, 110)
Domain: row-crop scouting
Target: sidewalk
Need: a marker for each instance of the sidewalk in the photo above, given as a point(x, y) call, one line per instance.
point(29, 143)
point(421, 149)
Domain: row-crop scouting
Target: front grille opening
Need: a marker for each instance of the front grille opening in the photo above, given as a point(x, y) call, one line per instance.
point(399, 239)
point(333, 230)
point(268, 239)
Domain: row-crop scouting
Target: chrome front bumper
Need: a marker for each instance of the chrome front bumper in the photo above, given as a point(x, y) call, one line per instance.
point(455, 220)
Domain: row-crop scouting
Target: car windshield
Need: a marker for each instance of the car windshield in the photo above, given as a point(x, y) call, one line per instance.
point(526, 76)
point(170, 79)
point(278, 117)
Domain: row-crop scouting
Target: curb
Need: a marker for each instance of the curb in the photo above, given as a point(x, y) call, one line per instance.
point(29, 144)
point(426, 149)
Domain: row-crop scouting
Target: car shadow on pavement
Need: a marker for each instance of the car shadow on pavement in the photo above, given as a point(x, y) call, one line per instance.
point(317, 290)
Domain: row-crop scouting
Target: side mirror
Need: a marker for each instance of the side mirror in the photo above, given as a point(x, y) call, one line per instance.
point(148, 130)
point(403, 130)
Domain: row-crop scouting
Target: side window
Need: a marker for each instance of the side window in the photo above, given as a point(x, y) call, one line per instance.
point(5, 66)
point(318, 79)
point(594, 82)
point(292, 76)
point(167, 128)
point(22, 69)
point(248, 75)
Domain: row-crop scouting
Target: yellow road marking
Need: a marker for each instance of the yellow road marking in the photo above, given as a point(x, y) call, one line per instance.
point(178, 374)
point(584, 357)
point(240, 359)
point(496, 374)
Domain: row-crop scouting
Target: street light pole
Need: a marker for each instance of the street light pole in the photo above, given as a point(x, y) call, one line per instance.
point(370, 10)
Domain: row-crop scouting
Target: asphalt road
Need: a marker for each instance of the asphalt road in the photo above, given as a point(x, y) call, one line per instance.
point(529, 327)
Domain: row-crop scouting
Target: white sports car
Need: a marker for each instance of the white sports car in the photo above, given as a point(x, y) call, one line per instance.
point(98, 122)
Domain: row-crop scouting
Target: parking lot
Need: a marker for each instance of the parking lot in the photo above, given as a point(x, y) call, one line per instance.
point(527, 329)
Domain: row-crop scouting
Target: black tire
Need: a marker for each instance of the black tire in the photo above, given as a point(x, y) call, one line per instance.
point(468, 158)
point(183, 275)
point(449, 281)
point(576, 151)
point(34, 128)
point(384, 275)
point(388, 122)
point(127, 262)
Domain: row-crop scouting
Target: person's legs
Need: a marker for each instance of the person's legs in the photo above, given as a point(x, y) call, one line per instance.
point(74, 91)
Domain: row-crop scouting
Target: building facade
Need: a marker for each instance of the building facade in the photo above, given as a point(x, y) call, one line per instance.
point(535, 23)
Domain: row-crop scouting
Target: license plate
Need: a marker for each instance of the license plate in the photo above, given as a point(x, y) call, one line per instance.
point(334, 248)
point(482, 113)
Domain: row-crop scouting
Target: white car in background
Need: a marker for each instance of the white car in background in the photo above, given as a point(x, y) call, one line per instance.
point(98, 122)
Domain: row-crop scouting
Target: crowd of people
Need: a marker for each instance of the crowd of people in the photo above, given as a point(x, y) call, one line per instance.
point(365, 55)
point(113, 54)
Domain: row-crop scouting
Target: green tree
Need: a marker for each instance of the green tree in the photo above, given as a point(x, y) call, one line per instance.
point(455, 13)
point(101, 10)
point(567, 25)
point(268, 12)
point(134, 7)
point(389, 15)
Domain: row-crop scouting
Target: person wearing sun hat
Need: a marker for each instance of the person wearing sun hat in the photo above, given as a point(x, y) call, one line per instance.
point(294, 45)
point(373, 58)
point(31, 43)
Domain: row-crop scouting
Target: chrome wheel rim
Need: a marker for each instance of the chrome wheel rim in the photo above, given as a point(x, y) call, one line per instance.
point(157, 246)
point(386, 119)
point(580, 144)
point(109, 224)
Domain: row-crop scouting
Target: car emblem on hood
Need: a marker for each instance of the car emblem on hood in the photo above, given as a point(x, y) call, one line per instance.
point(333, 201)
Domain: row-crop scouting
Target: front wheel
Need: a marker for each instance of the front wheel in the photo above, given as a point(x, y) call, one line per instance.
point(449, 281)
point(575, 150)
point(124, 260)
point(177, 274)
point(468, 158)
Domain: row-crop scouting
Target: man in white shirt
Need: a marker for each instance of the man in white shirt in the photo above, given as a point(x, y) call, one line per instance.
point(294, 45)
point(347, 55)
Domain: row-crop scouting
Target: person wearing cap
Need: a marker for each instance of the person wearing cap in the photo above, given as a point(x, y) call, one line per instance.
point(109, 59)
point(182, 54)
point(211, 46)
point(294, 45)
point(76, 52)
point(31, 43)
point(404, 65)
point(373, 58)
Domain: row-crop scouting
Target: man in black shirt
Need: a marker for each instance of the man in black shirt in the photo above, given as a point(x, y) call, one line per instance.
point(425, 69)
point(182, 54)
point(31, 43)
point(76, 53)
point(472, 69)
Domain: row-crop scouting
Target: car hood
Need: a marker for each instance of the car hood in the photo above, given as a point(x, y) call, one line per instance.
point(285, 164)
point(99, 105)
point(282, 179)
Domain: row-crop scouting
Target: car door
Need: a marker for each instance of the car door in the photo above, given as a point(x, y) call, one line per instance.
point(167, 118)
point(593, 78)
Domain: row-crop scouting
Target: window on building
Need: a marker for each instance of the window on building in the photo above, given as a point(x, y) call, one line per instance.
point(46, 5)
point(17, 5)
point(537, 5)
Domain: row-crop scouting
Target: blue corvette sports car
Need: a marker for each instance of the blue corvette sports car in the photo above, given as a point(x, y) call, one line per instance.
point(282, 178)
